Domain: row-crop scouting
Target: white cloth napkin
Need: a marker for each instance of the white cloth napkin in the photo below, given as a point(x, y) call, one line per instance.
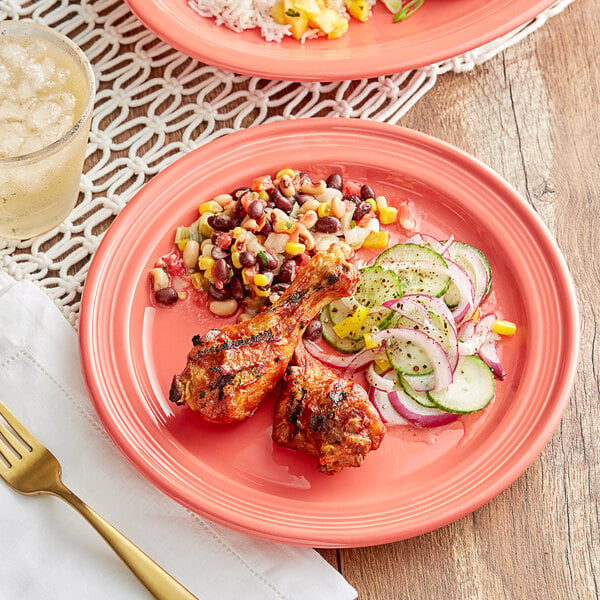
point(48, 551)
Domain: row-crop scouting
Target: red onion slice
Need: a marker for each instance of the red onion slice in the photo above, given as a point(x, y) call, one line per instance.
point(489, 355)
point(465, 288)
point(417, 414)
point(350, 362)
point(378, 381)
point(389, 415)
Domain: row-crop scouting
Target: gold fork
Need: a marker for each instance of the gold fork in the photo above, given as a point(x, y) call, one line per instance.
point(31, 469)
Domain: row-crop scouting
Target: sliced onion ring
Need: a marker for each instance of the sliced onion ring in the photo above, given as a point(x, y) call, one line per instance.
point(417, 414)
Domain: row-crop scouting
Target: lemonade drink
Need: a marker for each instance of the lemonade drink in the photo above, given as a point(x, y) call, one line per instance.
point(46, 98)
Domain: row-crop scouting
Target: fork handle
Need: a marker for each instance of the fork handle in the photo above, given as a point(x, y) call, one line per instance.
point(158, 582)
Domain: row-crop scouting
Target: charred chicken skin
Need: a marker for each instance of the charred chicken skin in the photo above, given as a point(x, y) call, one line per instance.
point(325, 416)
point(230, 371)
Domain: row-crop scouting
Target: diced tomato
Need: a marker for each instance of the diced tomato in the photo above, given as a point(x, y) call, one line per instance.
point(248, 198)
point(175, 265)
point(263, 183)
point(223, 239)
point(352, 187)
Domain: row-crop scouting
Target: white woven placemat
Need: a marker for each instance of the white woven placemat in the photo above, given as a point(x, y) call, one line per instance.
point(184, 105)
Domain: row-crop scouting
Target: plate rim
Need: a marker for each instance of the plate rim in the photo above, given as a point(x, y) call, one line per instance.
point(156, 19)
point(524, 458)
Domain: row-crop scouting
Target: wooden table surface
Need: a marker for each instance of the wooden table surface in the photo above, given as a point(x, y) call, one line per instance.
point(533, 115)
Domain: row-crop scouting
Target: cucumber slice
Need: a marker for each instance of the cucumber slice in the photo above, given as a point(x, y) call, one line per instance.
point(419, 397)
point(420, 269)
point(474, 262)
point(452, 296)
point(344, 345)
point(407, 358)
point(472, 388)
point(377, 285)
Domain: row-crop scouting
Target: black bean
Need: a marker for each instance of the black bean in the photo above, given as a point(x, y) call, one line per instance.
point(237, 287)
point(335, 181)
point(353, 198)
point(220, 222)
point(313, 330)
point(247, 259)
point(256, 209)
point(279, 288)
point(266, 260)
point(287, 272)
point(220, 271)
point(283, 203)
point(218, 253)
point(360, 211)
point(366, 192)
point(166, 295)
point(301, 198)
point(239, 192)
point(216, 294)
point(327, 224)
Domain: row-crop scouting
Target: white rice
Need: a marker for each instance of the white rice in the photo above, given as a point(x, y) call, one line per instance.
point(250, 14)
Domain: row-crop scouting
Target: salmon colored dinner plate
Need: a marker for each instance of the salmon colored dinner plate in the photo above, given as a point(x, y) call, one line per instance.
point(439, 30)
point(418, 479)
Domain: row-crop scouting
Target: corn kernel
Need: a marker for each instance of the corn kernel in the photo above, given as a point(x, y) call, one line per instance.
point(381, 202)
point(258, 291)
point(502, 327)
point(210, 206)
point(283, 172)
point(382, 364)
point(352, 323)
point(197, 281)
point(260, 279)
point(377, 239)
point(235, 260)
point(181, 244)
point(371, 202)
point(324, 209)
point(369, 342)
point(294, 248)
point(206, 263)
point(237, 232)
point(387, 215)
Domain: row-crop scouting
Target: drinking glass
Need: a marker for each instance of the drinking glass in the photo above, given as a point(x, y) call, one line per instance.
point(47, 89)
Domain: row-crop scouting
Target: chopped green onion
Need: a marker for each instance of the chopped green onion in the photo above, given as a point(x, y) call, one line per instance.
point(408, 10)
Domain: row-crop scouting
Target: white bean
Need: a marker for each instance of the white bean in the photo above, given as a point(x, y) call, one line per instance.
point(160, 279)
point(191, 252)
point(223, 308)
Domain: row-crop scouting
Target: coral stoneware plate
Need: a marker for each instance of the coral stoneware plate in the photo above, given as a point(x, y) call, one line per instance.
point(417, 480)
point(439, 30)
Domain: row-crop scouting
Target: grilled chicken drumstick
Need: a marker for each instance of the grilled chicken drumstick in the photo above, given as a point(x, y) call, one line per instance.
point(230, 371)
point(327, 417)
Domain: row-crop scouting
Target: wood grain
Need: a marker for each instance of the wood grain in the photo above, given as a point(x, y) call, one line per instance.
point(533, 115)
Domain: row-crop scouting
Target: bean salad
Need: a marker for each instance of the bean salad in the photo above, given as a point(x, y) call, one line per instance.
point(247, 245)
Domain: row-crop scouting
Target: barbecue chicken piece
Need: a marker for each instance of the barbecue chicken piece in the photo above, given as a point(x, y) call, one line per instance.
point(230, 371)
point(322, 415)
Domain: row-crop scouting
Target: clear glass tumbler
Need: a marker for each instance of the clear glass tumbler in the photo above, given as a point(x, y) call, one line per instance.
point(47, 90)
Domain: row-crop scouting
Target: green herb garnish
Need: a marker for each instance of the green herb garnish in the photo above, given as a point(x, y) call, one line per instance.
point(290, 12)
point(408, 10)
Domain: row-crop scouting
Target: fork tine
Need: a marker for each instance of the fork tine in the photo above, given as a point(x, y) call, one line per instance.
point(10, 440)
point(5, 459)
point(18, 427)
